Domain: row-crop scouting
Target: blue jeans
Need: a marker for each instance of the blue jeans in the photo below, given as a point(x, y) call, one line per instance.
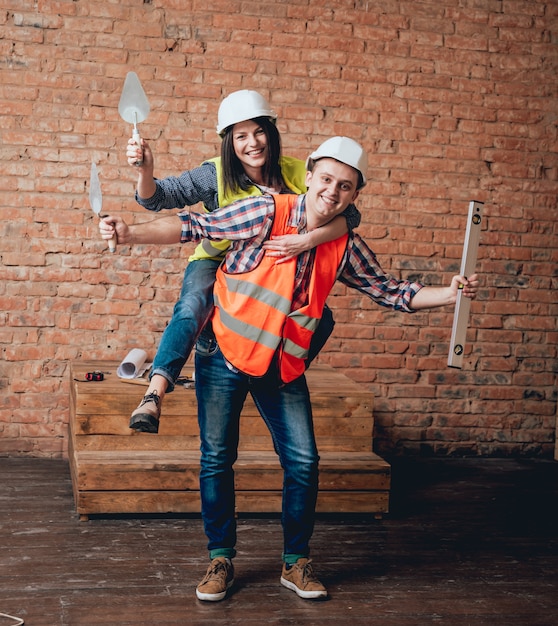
point(287, 413)
point(190, 315)
point(191, 312)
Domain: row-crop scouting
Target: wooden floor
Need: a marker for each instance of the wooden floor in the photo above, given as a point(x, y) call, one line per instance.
point(466, 542)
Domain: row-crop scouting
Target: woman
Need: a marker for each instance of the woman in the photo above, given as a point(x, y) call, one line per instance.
point(250, 164)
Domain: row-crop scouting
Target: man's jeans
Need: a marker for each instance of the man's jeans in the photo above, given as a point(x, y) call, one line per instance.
point(190, 315)
point(287, 412)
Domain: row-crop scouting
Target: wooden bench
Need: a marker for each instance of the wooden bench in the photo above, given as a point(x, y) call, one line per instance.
point(117, 470)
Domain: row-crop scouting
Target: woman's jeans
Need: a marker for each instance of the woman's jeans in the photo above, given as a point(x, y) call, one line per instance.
point(287, 412)
point(190, 315)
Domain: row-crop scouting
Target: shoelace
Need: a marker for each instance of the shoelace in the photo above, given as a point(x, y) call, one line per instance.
point(308, 575)
point(152, 397)
point(214, 573)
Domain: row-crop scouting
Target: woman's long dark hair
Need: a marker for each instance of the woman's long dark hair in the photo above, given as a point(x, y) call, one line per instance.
point(234, 177)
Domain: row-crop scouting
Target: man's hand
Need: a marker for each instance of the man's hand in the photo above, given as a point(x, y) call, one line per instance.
point(469, 286)
point(429, 297)
point(111, 226)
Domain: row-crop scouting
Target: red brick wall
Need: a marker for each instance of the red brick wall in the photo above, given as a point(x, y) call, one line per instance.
point(455, 100)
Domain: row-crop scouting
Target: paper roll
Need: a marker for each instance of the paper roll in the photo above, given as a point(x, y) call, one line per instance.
point(133, 365)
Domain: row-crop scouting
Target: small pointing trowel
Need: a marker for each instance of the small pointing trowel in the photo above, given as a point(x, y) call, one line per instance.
point(96, 199)
point(133, 106)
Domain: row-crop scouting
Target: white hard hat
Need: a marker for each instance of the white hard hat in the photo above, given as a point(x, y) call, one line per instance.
point(240, 106)
point(345, 150)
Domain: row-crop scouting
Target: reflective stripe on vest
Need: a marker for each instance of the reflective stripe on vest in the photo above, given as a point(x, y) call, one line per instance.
point(258, 292)
point(253, 320)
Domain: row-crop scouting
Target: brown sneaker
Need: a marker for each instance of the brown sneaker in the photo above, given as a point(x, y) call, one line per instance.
point(301, 579)
point(218, 579)
point(145, 418)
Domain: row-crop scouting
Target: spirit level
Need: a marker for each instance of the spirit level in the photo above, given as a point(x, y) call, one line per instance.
point(462, 304)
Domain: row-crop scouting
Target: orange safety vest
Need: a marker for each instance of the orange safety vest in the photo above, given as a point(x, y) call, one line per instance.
point(253, 320)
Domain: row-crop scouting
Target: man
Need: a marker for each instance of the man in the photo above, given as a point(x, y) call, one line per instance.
point(258, 339)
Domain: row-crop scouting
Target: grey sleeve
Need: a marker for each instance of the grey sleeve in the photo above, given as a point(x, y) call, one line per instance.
point(177, 192)
point(353, 216)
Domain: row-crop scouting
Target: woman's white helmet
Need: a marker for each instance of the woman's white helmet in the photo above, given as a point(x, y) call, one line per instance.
point(240, 106)
point(346, 151)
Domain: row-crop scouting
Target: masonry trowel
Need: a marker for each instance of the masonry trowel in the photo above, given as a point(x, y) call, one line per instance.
point(133, 106)
point(96, 199)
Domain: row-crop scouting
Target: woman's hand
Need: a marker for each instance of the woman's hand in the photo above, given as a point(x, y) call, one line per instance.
point(142, 154)
point(134, 153)
point(286, 247)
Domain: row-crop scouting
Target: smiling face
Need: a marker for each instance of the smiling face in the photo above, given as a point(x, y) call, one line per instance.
point(332, 186)
point(250, 146)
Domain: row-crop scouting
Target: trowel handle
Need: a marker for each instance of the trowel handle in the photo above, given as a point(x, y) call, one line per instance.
point(136, 137)
point(112, 241)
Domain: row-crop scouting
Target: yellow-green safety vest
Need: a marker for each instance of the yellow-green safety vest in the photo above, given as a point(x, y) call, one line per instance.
point(294, 174)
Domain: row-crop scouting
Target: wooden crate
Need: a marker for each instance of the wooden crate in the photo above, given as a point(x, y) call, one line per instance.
point(118, 470)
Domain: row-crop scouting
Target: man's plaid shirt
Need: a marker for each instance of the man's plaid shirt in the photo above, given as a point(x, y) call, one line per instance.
point(247, 224)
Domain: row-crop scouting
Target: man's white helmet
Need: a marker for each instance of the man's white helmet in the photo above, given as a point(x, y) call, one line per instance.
point(240, 106)
point(344, 150)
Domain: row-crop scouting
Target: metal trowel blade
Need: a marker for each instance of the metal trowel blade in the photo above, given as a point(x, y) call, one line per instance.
point(133, 106)
point(95, 195)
